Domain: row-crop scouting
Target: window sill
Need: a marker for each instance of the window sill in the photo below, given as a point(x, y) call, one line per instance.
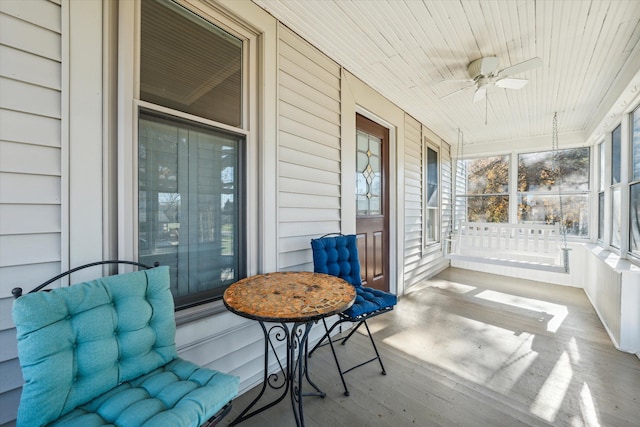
point(198, 312)
point(613, 260)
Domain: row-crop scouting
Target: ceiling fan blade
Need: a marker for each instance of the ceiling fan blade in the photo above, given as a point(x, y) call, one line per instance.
point(521, 67)
point(480, 94)
point(511, 83)
point(457, 91)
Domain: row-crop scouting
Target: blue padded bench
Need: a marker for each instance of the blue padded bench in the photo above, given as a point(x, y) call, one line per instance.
point(102, 353)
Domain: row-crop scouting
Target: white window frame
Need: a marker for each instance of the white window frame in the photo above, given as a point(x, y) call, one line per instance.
point(564, 192)
point(463, 193)
point(426, 145)
point(616, 188)
point(129, 104)
point(599, 155)
point(631, 180)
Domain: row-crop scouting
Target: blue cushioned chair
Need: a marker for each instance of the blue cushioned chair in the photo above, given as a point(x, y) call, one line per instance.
point(338, 256)
point(103, 353)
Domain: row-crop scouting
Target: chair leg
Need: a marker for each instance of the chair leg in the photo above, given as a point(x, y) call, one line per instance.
point(343, 341)
point(384, 372)
point(353, 331)
point(335, 356)
point(326, 336)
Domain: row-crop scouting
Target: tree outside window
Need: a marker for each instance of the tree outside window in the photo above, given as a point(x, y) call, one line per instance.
point(554, 187)
point(485, 196)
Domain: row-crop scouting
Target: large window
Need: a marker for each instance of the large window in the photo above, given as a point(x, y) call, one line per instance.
point(191, 152)
point(432, 201)
point(485, 193)
point(634, 190)
point(554, 186)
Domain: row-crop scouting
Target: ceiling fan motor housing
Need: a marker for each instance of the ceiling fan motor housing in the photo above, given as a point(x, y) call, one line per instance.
point(482, 67)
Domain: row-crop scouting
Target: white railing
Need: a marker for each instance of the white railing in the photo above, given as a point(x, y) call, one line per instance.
point(534, 246)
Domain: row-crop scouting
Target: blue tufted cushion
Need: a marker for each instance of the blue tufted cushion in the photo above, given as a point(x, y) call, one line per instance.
point(337, 256)
point(177, 394)
point(369, 300)
point(77, 343)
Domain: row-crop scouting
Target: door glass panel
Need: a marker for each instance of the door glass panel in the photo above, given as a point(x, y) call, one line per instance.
point(368, 174)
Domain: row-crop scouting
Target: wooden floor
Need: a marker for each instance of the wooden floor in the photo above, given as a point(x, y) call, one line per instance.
point(473, 349)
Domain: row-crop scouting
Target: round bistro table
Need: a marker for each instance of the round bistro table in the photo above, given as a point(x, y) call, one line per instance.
point(293, 302)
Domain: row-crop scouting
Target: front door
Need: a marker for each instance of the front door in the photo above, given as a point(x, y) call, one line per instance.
point(372, 202)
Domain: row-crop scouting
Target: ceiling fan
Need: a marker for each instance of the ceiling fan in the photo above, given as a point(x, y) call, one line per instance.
point(483, 72)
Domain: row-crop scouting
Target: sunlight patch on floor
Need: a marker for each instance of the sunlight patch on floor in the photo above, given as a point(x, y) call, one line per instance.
point(552, 314)
point(481, 353)
point(553, 392)
point(588, 408)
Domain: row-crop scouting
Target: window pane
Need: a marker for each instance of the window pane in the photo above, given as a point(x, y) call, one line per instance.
point(545, 209)
point(431, 224)
point(189, 205)
point(616, 142)
point(616, 216)
point(432, 178)
point(189, 64)
point(488, 175)
point(602, 167)
point(488, 208)
point(635, 147)
point(600, 216)
point(543, 172)
point(634, 241)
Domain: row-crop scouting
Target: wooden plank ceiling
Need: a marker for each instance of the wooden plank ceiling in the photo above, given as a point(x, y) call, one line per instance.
point(407, 50)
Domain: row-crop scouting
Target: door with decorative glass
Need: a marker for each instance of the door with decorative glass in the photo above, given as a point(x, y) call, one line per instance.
point(372, 202)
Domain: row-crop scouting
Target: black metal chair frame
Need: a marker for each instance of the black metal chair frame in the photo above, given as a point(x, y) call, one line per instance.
point(17, 293)
point(360, 320)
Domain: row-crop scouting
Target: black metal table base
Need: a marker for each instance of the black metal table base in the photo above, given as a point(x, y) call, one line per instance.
point(291, 375)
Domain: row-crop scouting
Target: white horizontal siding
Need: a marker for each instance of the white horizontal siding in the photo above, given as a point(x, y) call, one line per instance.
point(30, 166)
point(26, 277)
point(29, 37)
point(26, 249)
point(413, 188)
point(420, 261)
point(26, 188)
point(309, 176)
point(25, 97)
point(29, 219)
point(36, 70)
point(27, 158)
point(17, 126)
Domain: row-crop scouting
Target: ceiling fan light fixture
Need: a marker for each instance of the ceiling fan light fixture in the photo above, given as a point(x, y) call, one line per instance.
point(510, 83)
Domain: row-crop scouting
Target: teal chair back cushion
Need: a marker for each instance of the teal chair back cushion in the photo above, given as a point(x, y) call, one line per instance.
point(76, 343)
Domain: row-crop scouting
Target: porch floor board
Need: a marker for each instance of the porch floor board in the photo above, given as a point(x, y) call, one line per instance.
point(474, 349)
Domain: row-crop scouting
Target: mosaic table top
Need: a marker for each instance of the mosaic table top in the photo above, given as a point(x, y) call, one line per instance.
point(289, 296)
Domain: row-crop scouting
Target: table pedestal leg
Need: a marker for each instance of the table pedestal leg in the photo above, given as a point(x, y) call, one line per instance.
point(293, 372)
